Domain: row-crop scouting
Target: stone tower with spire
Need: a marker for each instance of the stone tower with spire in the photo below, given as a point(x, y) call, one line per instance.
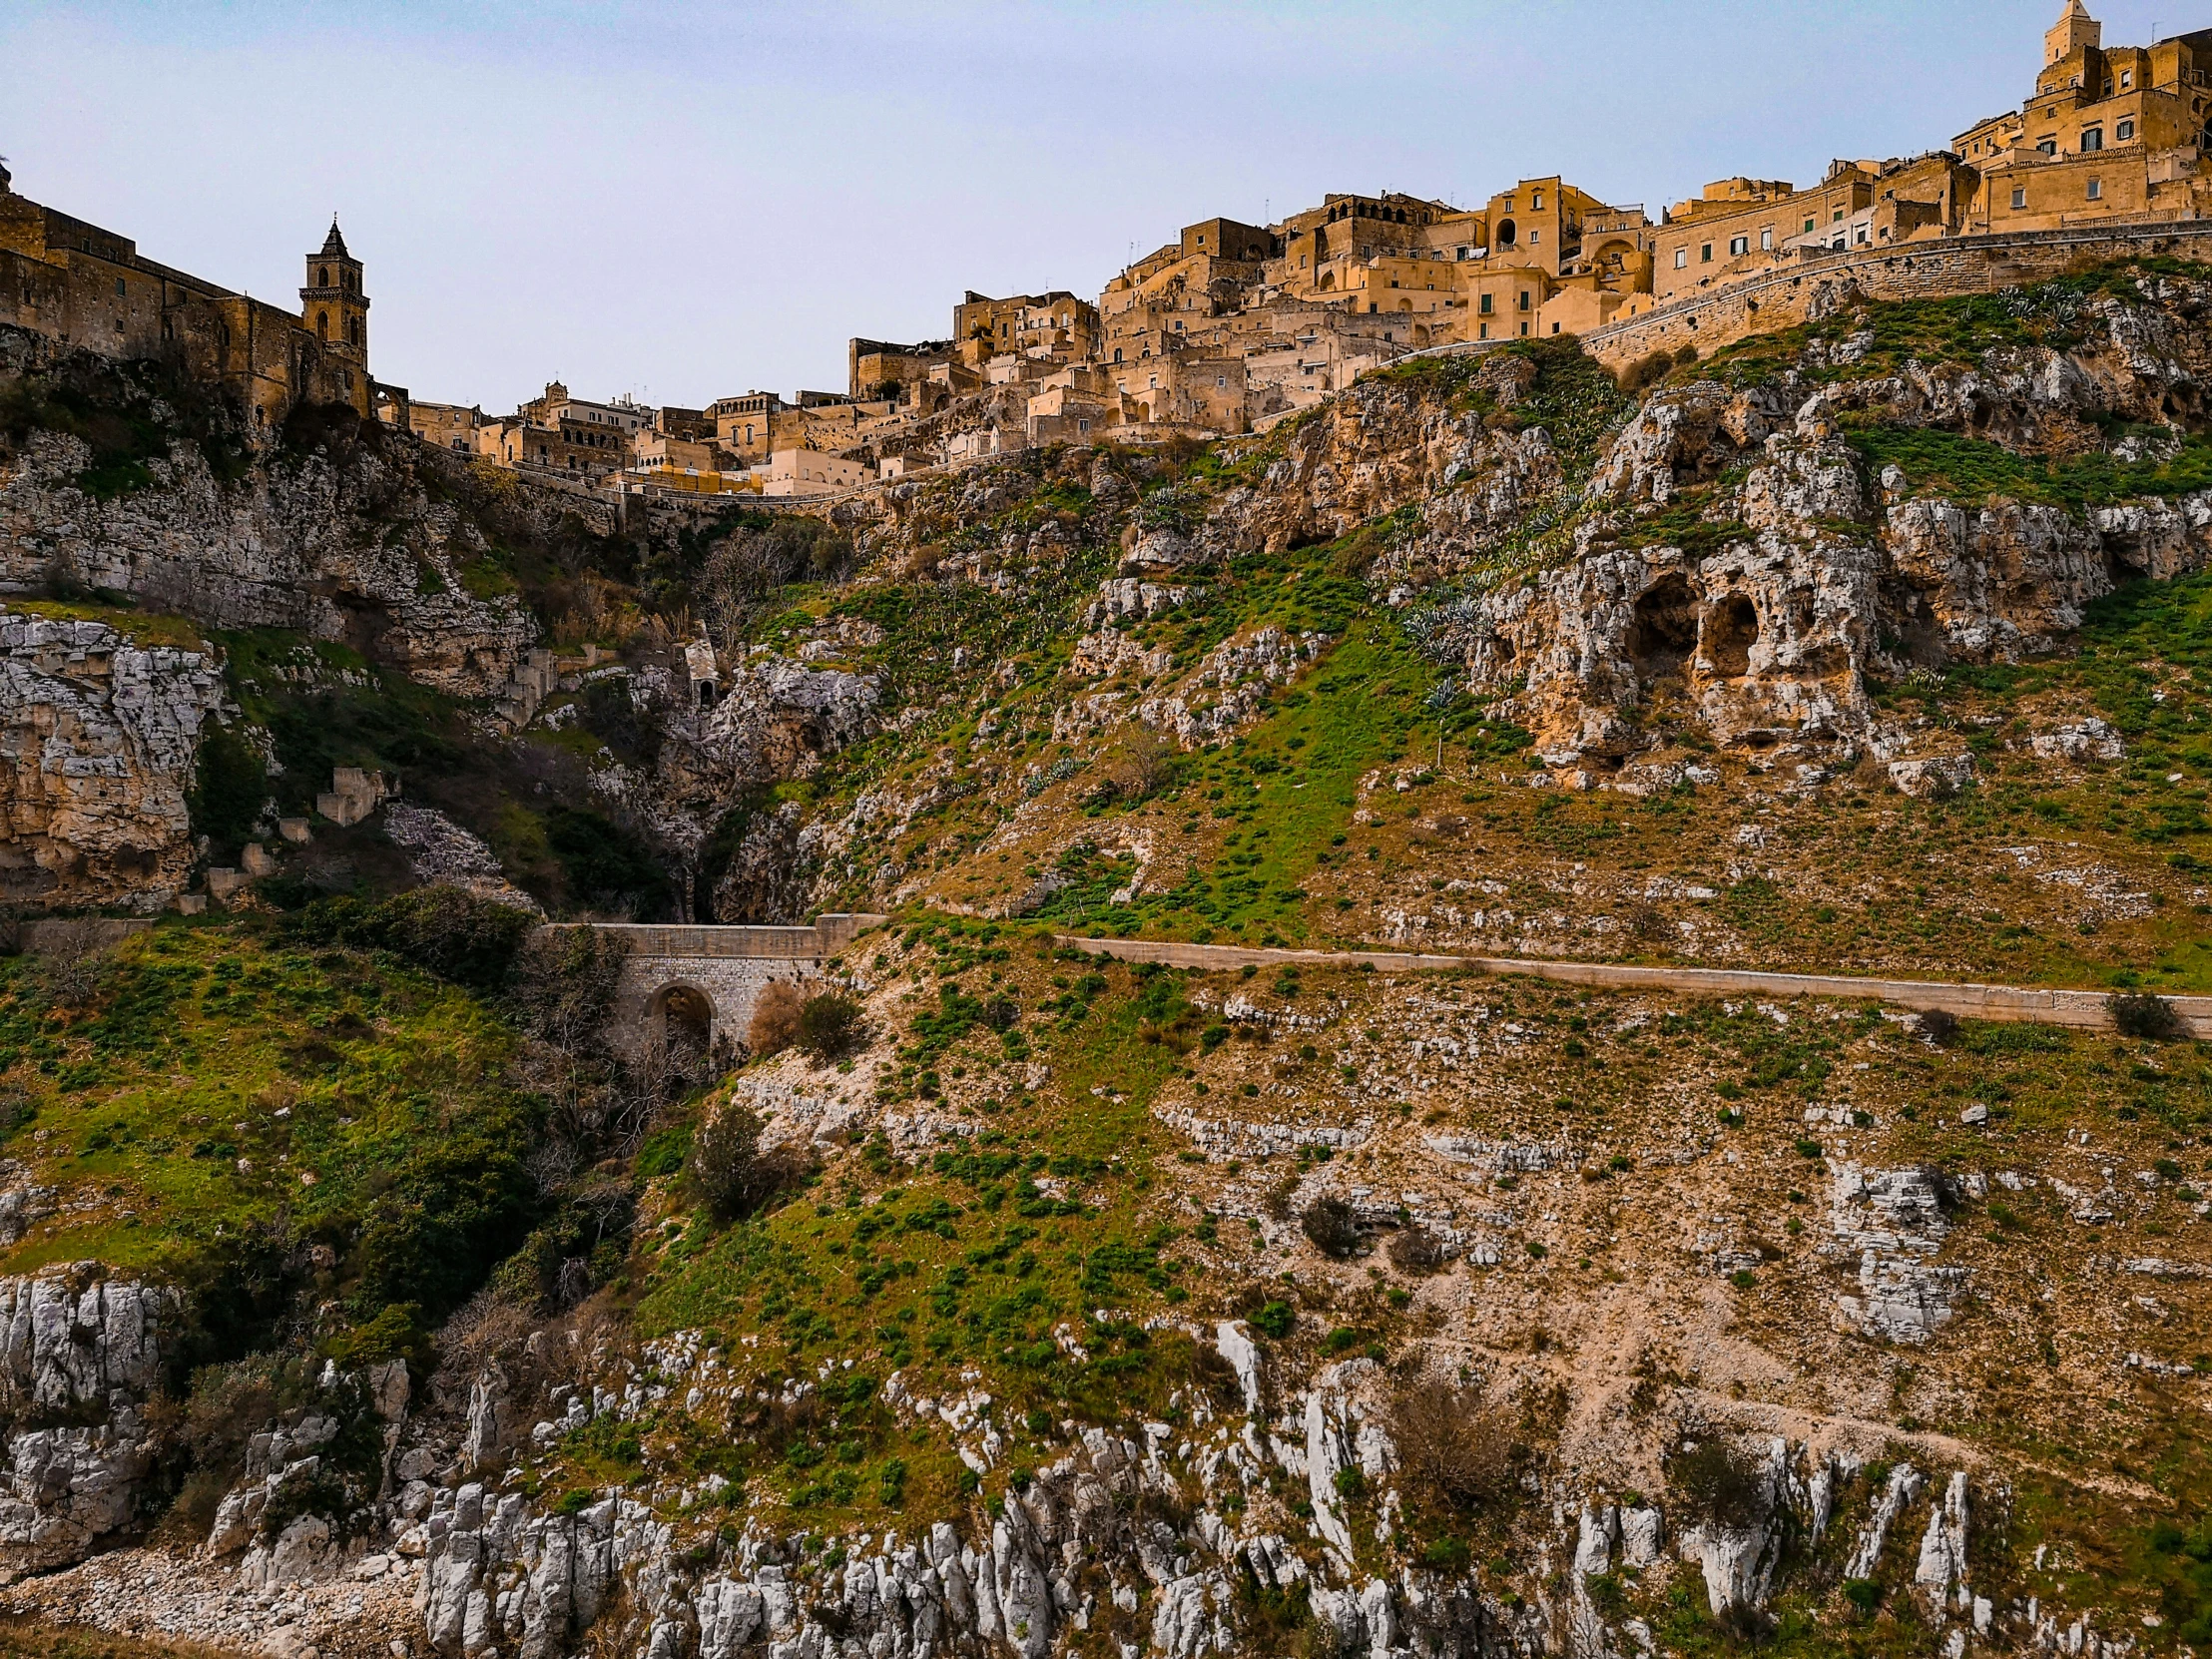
point(332, 307)
point(2074, 30)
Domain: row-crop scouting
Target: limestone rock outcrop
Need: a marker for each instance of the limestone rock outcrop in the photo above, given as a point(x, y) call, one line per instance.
point(98, 737)
point(74, 1344)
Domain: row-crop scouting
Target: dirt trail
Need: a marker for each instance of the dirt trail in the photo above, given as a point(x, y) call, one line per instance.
point(2088, 1009)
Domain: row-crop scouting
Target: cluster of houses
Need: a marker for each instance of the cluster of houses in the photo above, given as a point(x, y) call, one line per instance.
point(1226, 329)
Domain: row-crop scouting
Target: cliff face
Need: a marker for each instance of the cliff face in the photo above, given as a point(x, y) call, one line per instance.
point(352, 539)
point(1279, 1308)
point(81, 1353)
point(97, 741)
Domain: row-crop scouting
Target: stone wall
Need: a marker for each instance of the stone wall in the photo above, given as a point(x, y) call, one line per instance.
point(1921, 271)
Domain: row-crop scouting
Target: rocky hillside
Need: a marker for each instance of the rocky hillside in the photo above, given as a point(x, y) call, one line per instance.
point(374, 1297)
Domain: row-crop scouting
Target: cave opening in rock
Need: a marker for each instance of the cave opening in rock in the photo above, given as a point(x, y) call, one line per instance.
point(1730, 630)
point(1663, 628)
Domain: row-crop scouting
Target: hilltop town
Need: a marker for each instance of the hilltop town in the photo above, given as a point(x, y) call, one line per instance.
point(1228, 328)
point(1443, 934)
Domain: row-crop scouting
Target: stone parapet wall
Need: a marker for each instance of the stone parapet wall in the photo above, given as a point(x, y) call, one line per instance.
point(1919, 270)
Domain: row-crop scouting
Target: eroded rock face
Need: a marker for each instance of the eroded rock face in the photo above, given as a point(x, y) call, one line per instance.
point(97, 742)
point(351, 552)
point(75, 1344)
point(1892, 1222)
point(1785, 572)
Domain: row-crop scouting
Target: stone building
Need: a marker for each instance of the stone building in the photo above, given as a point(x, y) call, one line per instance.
point(2110, 133)
point(1056, 326)
point(754, 426)
point(85, 287)
point(565, 434)
point(445, 425)
point(885, 370)
point(812, 472)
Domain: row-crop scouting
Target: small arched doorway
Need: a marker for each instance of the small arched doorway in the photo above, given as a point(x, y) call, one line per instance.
point(682, 1018)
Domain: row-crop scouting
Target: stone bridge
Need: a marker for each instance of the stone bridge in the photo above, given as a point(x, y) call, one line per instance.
point(703, 982)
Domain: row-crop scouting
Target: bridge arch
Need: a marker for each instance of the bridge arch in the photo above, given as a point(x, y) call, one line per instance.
point(682, 1015)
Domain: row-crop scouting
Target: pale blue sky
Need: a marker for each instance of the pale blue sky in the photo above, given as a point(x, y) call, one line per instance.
point(688, 201)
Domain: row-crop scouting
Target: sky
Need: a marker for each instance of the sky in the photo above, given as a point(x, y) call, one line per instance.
point(681, 201)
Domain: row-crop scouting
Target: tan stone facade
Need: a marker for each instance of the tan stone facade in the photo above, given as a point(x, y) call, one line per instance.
point(86, 286)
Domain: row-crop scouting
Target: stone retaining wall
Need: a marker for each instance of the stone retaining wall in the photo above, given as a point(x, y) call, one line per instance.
point(2011, 1003)
point(1918, 270)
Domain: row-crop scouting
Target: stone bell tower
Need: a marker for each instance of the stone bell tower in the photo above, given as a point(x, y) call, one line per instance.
point(2074, 30)
point(332, 307)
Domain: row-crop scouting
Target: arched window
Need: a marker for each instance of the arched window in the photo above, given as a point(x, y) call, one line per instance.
point(356, 330)
point(322, 277)
point(322, 326)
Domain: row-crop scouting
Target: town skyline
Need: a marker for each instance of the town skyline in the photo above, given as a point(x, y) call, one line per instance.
point(487, 293)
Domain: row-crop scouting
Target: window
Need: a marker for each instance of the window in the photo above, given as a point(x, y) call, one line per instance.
point(1681, 258)
point(1738, 246)
point(1534, 236)
point(2050, 147)
point(1555, 327)
point(1484, 332)
point(1486, 305)
point(1766, 238)
point(1536, 203)
point(1808, 226)
point(2019, 198)
point(1524, 300)
point(1705, 253)
point(1525, 330)
point(118, 288)
point(1837, 217)
point(2128, 79)
point(2122, 132)
point(2096, 190)
point(2092, 139)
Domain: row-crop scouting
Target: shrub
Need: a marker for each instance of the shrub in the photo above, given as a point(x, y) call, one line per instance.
point(1332, 1224)
point(829, 1025)
point(1939, 1026)
point(1134, 772)
point(1455, 1448)
point(1273, 1319)
point(722, 1170)
point(2145, 1014)
point(1647, 370)
point(729, 1172)
point(775, 1024)
point(1445, 1556)
point(230, 786)
point(1415, 1250)
point(1720, 1481)
point(450, 931)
